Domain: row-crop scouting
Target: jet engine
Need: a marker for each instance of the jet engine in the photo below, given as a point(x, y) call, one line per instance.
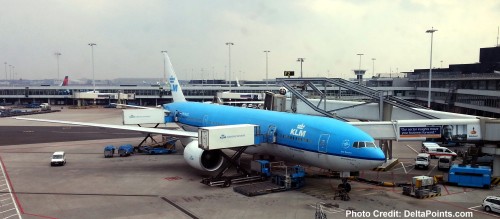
point(201, 159)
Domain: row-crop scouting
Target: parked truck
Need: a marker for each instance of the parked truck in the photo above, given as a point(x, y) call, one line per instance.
point(469, 175)
point(228, 136)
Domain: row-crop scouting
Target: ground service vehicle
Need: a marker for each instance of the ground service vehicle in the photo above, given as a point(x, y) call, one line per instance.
point(158, 150)
point(491, 203)
point(427, 145)
point(469, 175)
point(422, 187)
point(125, 150)
point(422, 161)
point(109, 151)
point(58, 158)
point(445, 162)
point(441, 151)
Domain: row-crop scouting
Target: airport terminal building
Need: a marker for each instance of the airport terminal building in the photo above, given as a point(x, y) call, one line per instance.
point(472, 89)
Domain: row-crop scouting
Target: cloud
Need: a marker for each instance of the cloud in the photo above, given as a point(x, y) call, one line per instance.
point(328, 33)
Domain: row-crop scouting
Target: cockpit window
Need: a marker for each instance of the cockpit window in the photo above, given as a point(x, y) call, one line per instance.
point(362, 144)
point(371, 145)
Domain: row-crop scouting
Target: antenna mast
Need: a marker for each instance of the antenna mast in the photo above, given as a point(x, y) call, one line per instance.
point(498, 32)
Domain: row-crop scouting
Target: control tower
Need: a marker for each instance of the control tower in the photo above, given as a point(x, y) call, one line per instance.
point(359, 75)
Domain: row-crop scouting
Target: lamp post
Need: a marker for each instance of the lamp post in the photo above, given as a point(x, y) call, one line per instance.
point(229, 44)
point(359, 54)
point(431, 31)
point(10, 72)
point(164, 66)
point(267, 79)
point(93, 72)
point(301, 60)
point(6, 78)
point(13, 72)
point(57, 56)
point(373, 68)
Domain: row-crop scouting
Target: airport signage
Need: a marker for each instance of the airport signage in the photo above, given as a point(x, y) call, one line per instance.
point(419, 132)
point(289, 73)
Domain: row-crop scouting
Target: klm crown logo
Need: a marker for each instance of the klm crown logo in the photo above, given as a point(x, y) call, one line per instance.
point(299, 131)
point(171, 79)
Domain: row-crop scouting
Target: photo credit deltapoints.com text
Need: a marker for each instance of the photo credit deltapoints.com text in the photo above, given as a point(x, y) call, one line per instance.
point(407, 214)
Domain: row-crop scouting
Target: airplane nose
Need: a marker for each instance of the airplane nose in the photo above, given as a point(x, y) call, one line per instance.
point(379, 154)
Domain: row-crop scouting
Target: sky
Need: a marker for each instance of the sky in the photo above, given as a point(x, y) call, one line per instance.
point(130, 35)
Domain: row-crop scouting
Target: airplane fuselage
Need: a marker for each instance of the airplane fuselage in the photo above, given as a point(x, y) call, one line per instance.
point(317, 141)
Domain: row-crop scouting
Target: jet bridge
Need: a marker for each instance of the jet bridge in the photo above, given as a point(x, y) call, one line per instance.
point(481, 131)
point(336, 88)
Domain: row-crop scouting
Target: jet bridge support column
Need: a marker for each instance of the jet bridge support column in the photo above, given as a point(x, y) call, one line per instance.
point(489, 131)
point(386, 146)
point(385, 113)
point(496, 165)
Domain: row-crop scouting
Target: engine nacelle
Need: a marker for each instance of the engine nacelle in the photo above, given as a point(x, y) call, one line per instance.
point(202, 159)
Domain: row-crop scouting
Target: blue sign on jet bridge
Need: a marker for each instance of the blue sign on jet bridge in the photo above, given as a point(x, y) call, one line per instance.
point(415, 132)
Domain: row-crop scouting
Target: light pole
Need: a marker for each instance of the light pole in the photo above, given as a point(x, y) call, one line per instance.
point(164, 66)
point(301, 60)
point(373, 68)
point(359, 54)
point(213, 75)
point(13, 72)
point(441, 63)
point(229, 44)
point(267, 79)
point(10, 72)
point(93, 73)
point(57, 56)
point(431, 31)
point(6, 78)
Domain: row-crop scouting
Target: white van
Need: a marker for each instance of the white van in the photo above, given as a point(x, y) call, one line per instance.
point(422, 161)
point(427, 145)
point(58, 158)
point(445, 162)
point(441, 151)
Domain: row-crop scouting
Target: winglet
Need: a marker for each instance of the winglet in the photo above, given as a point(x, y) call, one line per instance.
point(175, 87)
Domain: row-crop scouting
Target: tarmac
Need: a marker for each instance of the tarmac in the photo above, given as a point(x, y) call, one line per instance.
point(165, 186)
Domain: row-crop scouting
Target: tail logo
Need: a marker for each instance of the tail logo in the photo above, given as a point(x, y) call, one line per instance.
point(173, 86)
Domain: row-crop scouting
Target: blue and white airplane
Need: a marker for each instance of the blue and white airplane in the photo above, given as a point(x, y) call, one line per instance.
point(317, 141)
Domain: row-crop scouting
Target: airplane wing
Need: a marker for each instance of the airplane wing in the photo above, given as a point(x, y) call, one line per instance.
point(175, 133)
point(140, 107)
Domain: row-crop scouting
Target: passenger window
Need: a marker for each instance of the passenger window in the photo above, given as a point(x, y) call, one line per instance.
point(439, 150)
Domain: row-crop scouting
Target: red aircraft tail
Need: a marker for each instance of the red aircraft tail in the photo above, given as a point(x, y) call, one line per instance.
point(65, 82)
